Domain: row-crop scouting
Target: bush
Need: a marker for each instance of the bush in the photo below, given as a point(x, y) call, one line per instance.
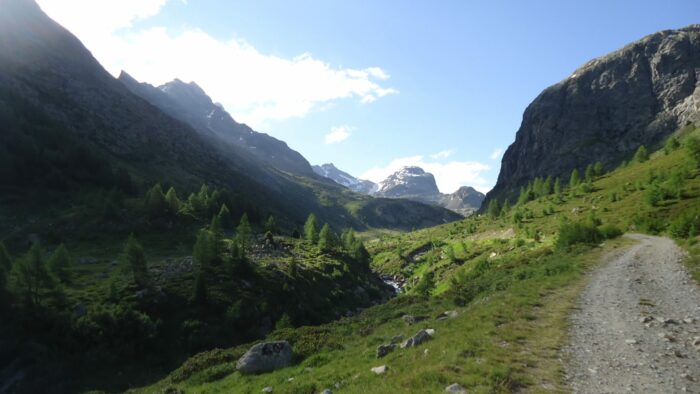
point(685, 226)
point(200, 362)
point(571, 233)
point(609, 231)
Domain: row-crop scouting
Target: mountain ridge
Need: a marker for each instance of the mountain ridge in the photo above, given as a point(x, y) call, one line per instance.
point(634, 96)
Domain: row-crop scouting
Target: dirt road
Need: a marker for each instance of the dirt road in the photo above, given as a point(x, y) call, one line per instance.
point(636, 325)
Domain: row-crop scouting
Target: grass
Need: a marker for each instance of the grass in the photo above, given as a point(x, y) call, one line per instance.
point(513, 287)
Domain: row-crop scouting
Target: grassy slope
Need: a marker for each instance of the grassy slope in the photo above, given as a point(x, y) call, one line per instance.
point(507, 337)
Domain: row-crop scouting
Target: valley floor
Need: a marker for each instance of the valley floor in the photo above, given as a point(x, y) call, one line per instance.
point(636, 324)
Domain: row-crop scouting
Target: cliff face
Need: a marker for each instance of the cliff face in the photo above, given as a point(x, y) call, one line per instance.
point(606, 109)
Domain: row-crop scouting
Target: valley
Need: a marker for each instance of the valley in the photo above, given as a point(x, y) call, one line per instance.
point(151, 243)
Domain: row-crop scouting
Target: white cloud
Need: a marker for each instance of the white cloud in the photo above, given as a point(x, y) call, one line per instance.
point(497, 153)
point(443, 154)
point(255, 87)
point(338, 134)
point(449, 176)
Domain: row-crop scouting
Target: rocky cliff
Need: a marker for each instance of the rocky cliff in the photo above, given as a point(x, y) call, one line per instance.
point(606, 109)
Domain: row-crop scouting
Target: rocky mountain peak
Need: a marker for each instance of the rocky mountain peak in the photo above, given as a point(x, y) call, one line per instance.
point(409, 181)
point(606, 109)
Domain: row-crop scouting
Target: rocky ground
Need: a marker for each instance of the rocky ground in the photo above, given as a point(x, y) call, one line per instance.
point(637, 328)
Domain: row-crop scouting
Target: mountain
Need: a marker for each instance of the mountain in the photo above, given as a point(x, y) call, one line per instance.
point(410, 183)
point(464, 201)
point(69, 126)
point(189, 103)
point(606, 109)
point(330, 171)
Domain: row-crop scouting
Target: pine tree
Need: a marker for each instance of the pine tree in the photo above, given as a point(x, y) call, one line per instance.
point(641, 155)
point(172, 201)
point(589, 173)
point(271, 225)
point(135, 261)
point(426, 284)
point(284, 322)
point(575, 178)
point(692, 146)
point(310, 229)
point(494, 209)
point(557, 187)
point(155, 201)
point(60, 264)
point(215, 225)
point(598, 168)
point(225, 217)
point(506, 208)
point(244, 231)
point(326, 240)
point(548, 186)
point(30, 277)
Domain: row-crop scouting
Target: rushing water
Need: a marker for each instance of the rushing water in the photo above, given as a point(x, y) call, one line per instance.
point(391, 282)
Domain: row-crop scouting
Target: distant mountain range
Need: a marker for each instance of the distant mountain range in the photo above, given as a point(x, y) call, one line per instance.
point(411, 183)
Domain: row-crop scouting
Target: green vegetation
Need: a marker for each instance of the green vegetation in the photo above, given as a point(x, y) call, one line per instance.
point(512, 274)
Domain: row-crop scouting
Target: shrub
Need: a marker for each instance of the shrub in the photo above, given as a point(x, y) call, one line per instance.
point(609, 231)
point(692, 146)
point(684, 226)
point(641, 155)
point(200, 362)
point(571, 233)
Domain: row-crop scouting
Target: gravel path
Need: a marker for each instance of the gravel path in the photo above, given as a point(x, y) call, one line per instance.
point(636, 325)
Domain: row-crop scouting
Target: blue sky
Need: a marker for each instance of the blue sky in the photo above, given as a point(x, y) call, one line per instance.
point(439, 84)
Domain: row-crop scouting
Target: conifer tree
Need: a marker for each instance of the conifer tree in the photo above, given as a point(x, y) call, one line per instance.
point(326, 240)
point(590, 173)
point(575, 178)
point(244, 231)
point(598, 168)
point(425, 285)
point(494, 209)
point(271, 225)
point(506, 208)
point(155, 201)
point(60, 264)
point(641, 155)
point(135, 261)
point(310, 229)
point(557, 187)
point(225, 217)
point(30, 277)
point(172, 201)
point(548, 186)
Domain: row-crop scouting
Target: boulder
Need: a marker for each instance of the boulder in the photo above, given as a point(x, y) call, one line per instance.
point(447, 315)
point(383, 350)
point(380, 369)
point(411, 320)
point(326, 391)
point(420, 337)
point(267, 389)
point(266, 357)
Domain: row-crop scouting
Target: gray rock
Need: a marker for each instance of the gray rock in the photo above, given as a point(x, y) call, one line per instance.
point(267, 389)
point(606, 109)
point(266, 357)
point(411, 320)
point(447, 315)
point(380, 369)
point(420, 337)
point(326, 391)
point(383, 350)
point(455, 388)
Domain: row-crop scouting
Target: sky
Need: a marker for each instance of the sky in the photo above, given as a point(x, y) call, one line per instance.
point(370, 85)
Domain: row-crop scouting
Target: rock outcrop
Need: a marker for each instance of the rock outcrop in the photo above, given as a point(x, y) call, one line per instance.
point(266, 357)
point(606, 109)
point(330, 171)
